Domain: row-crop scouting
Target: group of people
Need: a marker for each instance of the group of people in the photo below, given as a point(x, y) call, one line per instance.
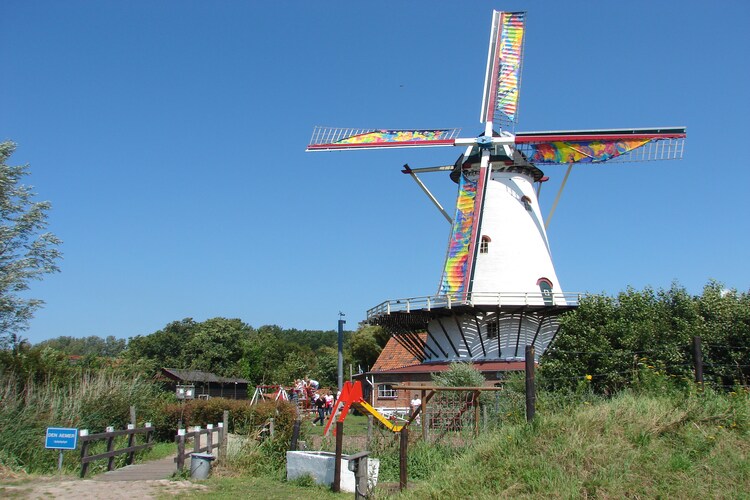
point(323, 404)
point(305, 388)
point(320, 401)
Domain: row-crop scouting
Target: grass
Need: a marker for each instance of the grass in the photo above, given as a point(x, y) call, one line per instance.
point(658, 442)
point(633, 445)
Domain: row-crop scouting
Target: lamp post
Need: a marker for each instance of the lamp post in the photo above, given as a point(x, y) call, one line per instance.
point(341, 350)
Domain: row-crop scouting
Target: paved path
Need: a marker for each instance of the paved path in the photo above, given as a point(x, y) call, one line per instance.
point(155, 469)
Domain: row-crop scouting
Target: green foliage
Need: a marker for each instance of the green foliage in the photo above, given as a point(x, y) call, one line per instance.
point(606, 337)
point(459, 375)
point(243, 418)
point(91, 401)
point(364, 348)
point(28, 253)
point(93, 345)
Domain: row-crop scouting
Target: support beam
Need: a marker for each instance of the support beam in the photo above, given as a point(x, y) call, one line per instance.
point(518, 336)
point(557, 198)
point(429, 335)
point(461, 331)
point(448, 337)
point(426, 191)
point(479, 334)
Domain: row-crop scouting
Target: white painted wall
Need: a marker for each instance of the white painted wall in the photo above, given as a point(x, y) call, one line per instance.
point(519, 252)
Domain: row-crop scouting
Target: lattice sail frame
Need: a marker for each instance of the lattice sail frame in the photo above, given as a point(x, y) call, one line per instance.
point(503, 76)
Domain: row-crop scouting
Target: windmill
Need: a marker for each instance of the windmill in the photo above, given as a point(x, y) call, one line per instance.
point(499, 291)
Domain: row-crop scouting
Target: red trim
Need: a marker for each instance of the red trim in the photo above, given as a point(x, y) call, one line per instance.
point(523, 139)
point(442, 142)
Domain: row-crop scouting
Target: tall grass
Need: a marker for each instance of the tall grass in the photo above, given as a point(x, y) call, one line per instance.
point(90, 400)
point(643, 443)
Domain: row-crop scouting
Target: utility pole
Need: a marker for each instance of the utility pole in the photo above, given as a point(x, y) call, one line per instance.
point(341, 350)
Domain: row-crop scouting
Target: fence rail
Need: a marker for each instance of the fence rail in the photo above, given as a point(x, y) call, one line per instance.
point(183, 437)
point(86, 439)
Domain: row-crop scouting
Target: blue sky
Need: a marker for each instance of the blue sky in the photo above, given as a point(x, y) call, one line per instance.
point(170, 138)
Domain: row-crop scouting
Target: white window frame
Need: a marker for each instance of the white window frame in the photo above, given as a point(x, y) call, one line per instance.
point(386, 391)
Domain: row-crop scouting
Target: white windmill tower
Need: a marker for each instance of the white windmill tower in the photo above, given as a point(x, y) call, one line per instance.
point(499, 291)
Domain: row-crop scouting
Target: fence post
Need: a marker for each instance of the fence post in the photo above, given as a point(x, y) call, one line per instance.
point(530, 388)
point(84, 452)
point(270, 427)
point(180, 449)
point(221, 452)
point(224, 437)
point(698, 359)
point(110, 447)
point(402, 457)
point(131, 443)
point(295, 435)
point(336, 486)
point(197, 439)
point(210, 438)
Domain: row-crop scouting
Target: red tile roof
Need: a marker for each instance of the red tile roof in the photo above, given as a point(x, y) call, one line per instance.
point(394, 356)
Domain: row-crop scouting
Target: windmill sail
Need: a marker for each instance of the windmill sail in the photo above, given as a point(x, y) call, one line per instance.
point(598, 146)
point(503, 75)
point(330, 139)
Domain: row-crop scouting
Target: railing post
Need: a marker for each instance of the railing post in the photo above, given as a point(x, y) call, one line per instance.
point(224, 437)
point(110, 448)
point(84, 452)
point(210, 438)
point(197, 439)
point(149, 434)
point(180, 449)
point(131, 443)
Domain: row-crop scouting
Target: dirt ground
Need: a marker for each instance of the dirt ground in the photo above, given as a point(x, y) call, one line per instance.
point(68, 487)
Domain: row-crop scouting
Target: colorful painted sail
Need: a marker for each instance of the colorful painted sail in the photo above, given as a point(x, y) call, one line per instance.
point(503, 76)
point(562, 152)
point(457, 260)
point(325, 138)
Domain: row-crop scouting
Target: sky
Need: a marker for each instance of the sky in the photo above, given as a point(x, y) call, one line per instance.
point(170, 138)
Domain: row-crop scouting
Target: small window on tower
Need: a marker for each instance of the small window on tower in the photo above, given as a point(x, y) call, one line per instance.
point(484, 245)
point(492, 329)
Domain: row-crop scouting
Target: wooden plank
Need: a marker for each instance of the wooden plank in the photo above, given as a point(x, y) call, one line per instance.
point(114, 453)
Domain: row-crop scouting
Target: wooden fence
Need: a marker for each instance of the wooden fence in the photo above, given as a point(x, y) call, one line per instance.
point(183, 437)
point(86, 439)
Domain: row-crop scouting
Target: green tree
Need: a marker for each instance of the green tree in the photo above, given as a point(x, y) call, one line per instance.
point(26, 252)
point(92, 345)
point(364, 347)
point(163, 348)
point(610, 339)
point(216, 345)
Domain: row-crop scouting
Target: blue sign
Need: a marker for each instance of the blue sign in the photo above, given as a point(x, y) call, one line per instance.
point(61, 438)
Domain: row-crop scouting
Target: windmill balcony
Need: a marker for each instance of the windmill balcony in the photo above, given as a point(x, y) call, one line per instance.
point(475, 299)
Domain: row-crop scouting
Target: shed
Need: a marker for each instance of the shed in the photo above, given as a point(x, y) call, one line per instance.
point(207, 384)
